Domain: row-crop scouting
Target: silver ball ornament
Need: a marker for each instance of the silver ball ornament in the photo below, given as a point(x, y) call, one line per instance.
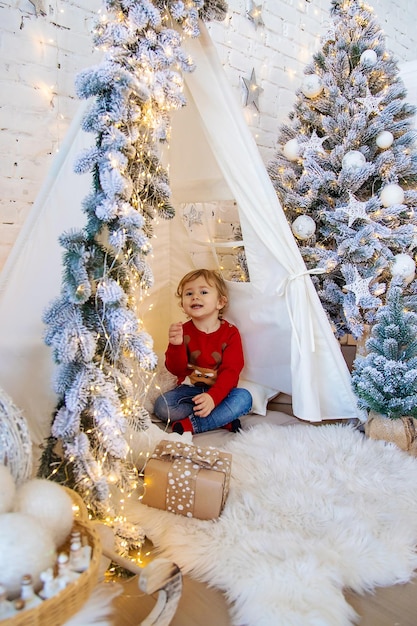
point(353, 160)
point(303, 227)
point(312, 86)
point(392, 194)
point(369, 57)
point(384, 139)
point(404, 267)
point(291, 150)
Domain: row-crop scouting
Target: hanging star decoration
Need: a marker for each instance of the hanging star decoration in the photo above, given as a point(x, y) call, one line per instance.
point(253, 90)
point(370, 102)
point(192, 216)
point(360, 287)
point(255, 14)
point(355, 209)
point(39, 7)
point(314, 143)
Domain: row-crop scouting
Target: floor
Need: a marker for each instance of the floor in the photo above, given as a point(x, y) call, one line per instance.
point(202, 606)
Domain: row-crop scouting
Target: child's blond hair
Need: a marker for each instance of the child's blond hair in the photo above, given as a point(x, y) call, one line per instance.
point(212, 277)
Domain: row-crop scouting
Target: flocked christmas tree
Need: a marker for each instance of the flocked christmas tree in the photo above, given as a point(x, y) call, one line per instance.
point(385, 380)
point(104, 355)
point(346, 170)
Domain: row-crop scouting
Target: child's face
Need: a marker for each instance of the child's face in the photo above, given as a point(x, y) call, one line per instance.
point(200, 299)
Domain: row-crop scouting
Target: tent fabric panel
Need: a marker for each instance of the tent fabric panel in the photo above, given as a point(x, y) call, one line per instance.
point(275, 264)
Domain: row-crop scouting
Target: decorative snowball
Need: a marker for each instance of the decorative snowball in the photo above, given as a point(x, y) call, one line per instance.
point(353, 160)
point(312, 86)
point(384, 139)
point(49, 503)
point(369, 57)
point(7, 489)
point(303, 227)
point(25, 548)
point(292, 150)
point(404, 266)
point(392, 194)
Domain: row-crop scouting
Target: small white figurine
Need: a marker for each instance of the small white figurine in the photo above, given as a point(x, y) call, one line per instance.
point(80, 556)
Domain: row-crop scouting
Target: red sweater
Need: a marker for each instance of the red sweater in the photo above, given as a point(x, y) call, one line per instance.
point(220, 352)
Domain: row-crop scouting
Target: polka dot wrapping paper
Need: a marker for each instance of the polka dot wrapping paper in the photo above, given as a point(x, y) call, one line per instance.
point(187, 479)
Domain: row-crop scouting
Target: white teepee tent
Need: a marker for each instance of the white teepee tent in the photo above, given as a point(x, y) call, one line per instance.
point(212, 157)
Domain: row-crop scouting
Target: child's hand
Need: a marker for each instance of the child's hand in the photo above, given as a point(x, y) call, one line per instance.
point(175, 334)
point(203, 404)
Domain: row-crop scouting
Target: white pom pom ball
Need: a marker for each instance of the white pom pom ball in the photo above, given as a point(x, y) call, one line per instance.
point(384, 139)
point(312, 86)
point(25, 548)
point(353, 160)
point(49, 503)
point(369, 57)
point(7, 489)
point(292, 150)
point(392, 194)
point(303, 227)
point(404, 267)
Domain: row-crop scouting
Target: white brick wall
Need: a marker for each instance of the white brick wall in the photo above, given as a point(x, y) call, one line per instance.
point(41, 56)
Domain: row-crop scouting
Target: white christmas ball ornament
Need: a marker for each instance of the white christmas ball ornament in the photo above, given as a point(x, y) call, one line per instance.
point(384, 139)
point(25, 548)
point(49, 503)
point(7, 489)
point(392, 194)
point(404, 267)
point(303, 227)
point(292, 150)
point(369, 57)
point(353, 160)
point(312, 86)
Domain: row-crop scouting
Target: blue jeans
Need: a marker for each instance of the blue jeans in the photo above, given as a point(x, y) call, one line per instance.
point(178, 403)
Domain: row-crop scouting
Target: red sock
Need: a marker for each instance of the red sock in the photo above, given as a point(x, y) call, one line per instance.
point(182, 426)
point(228, 426)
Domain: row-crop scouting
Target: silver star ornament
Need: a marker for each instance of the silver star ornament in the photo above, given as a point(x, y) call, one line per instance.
point(255, 14)
point(253, 90)
point(314, 143)
point(193, 216)
point(370, 102)
point(355, 210)
point(360, 287)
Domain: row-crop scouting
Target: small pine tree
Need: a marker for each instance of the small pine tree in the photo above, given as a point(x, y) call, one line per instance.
point(346, 167)
point(385, 380)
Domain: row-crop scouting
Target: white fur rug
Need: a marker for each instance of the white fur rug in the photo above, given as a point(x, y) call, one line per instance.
point(311, 511)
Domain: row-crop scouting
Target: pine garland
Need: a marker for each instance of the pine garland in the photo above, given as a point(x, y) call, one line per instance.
point(104, 356)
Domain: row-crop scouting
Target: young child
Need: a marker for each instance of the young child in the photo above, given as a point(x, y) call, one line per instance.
point(206, 355)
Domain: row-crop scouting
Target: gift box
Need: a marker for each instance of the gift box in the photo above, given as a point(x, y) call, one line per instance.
point(186, 479)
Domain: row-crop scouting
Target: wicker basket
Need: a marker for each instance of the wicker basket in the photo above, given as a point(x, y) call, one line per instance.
point(57, 610)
